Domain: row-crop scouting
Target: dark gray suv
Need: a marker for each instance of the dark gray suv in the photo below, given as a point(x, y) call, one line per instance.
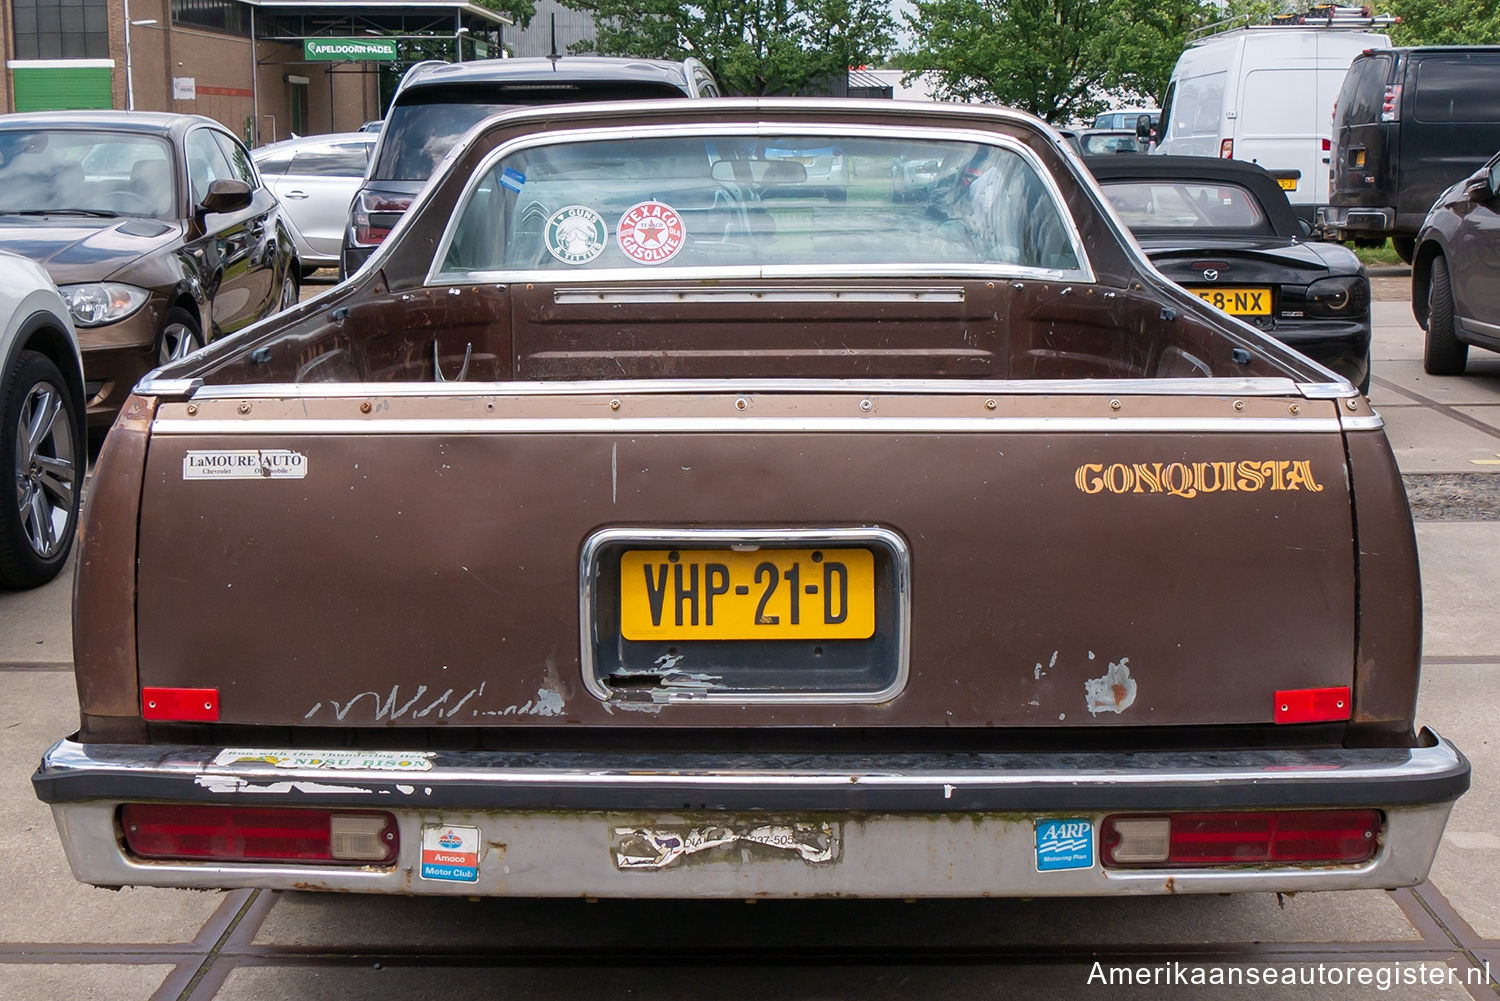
point(438, 102)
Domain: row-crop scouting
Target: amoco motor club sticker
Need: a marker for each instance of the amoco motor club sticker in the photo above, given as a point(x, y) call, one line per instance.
point(651, 233)
point(576, 234)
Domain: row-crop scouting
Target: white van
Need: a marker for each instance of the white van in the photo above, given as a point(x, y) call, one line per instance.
point(1265, 93)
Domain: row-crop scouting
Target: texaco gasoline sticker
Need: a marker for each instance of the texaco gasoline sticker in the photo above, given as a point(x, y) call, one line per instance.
point(576, 234)
point(651, 233)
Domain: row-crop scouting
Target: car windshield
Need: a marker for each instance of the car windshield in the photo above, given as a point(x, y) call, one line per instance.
point(744, 203)
point(87, 173)
point(1187, 205)
point(425, 122)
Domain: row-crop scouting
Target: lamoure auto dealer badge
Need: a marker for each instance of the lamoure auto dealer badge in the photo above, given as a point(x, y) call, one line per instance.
point(576, 234)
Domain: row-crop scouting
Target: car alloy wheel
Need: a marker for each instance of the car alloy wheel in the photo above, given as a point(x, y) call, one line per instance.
point(42, 425)
point(290, 289)
point(179, 338)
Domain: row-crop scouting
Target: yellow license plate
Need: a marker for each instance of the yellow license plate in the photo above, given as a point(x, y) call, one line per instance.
point(1287, 183)
point(768, 594)
point(1239, 301)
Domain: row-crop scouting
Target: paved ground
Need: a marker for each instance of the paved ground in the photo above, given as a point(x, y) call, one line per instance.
point(60, 940)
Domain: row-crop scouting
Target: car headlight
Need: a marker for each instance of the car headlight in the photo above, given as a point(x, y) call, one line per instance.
point(102, 302)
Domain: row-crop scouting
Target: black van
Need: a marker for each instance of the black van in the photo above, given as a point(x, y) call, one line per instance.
point(1408, 123)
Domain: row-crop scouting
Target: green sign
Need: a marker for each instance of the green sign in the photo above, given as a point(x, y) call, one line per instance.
point(340, 49)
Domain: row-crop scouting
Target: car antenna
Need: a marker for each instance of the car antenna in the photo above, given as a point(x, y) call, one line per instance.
point(554, 55)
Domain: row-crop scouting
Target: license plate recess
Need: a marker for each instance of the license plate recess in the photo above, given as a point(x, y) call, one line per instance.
point(789, 615)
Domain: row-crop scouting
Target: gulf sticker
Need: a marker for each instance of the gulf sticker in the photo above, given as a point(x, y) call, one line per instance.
point(450, 853)
point(651, 233)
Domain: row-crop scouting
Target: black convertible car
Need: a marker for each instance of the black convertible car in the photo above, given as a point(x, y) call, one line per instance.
point(1224, 230)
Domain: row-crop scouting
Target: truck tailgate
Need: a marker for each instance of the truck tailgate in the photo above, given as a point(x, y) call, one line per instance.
point(455, 556)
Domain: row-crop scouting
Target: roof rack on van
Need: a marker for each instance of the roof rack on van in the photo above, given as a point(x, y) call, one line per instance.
point(1322, 15)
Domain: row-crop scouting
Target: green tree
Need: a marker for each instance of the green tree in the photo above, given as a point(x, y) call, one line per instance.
point(1445, 22)
point(519, 11)
point(1062, 60)
point(751, 46)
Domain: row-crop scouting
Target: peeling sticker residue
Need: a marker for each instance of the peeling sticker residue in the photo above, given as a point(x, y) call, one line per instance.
point(1114, 692)
point(659, 848)
point(233, 783)
point(382, 761)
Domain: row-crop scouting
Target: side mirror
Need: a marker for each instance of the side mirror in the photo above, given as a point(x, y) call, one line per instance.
point(1143, 129)
point(226, 196)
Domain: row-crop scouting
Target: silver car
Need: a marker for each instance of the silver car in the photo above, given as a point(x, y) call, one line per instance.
point(41, 425)
point(315, 179)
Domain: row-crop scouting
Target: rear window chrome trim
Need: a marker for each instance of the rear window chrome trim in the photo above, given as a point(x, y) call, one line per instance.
point(731, 425)
point(1259, 387)
point(1083, 274)
point(723, 538)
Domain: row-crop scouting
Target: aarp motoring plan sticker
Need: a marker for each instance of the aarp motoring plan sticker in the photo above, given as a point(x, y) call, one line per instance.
point(1064, 844)
point(450, 853)
point(651, 233)
point(244, 464)
point(576, 234)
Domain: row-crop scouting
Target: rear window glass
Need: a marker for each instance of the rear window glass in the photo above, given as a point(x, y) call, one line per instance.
point(1144, 205)
point(1363, 92)
point(748, 203)
point(424, 122)
point(348, 160)
point(1458, 89)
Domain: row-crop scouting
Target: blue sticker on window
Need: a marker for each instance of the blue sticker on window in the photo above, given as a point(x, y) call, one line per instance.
point(512, 179)
point(1064, 844)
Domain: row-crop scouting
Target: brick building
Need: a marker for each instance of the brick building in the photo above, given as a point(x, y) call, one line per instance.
point(264, 68)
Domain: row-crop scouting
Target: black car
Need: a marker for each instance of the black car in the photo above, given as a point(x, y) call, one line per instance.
point(1225, 230)
point(438, 102)
point(1455, 277)
point(1408, 123)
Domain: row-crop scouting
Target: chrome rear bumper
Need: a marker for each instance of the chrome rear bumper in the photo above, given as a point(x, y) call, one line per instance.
point(739, 825)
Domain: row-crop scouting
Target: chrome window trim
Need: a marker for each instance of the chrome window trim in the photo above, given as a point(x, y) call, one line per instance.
point(1258, 387)
point(755, 293)
point(1083, 274)
point(764, 425)
point(723, 538)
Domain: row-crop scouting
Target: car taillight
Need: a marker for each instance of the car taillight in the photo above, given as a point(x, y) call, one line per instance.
point(259, 834)
point(1226, 149)
point(1195, 840)
point(1327, 145)
point(375, 215)
point(1390, 107)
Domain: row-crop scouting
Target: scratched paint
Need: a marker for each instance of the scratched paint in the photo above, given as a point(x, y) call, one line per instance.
point(431, 702)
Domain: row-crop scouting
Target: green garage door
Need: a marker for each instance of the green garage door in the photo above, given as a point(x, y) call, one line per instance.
point(62, 84)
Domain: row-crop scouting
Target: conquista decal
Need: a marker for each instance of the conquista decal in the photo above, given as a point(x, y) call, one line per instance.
point(1190, 479)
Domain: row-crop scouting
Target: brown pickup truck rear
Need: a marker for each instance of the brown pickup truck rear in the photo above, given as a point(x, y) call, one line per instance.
point(751, 575)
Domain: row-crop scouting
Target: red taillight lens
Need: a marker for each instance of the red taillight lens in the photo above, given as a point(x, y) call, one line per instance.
point(259, 834)
point(197, 705)
point(1327, 145)
point(1315, 705)
point(1191, 840)
point(1390, 107)
point(1226, 149)
point(375, 215)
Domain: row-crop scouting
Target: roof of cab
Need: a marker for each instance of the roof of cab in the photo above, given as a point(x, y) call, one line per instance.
point(541, 70)
point(123, 121)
